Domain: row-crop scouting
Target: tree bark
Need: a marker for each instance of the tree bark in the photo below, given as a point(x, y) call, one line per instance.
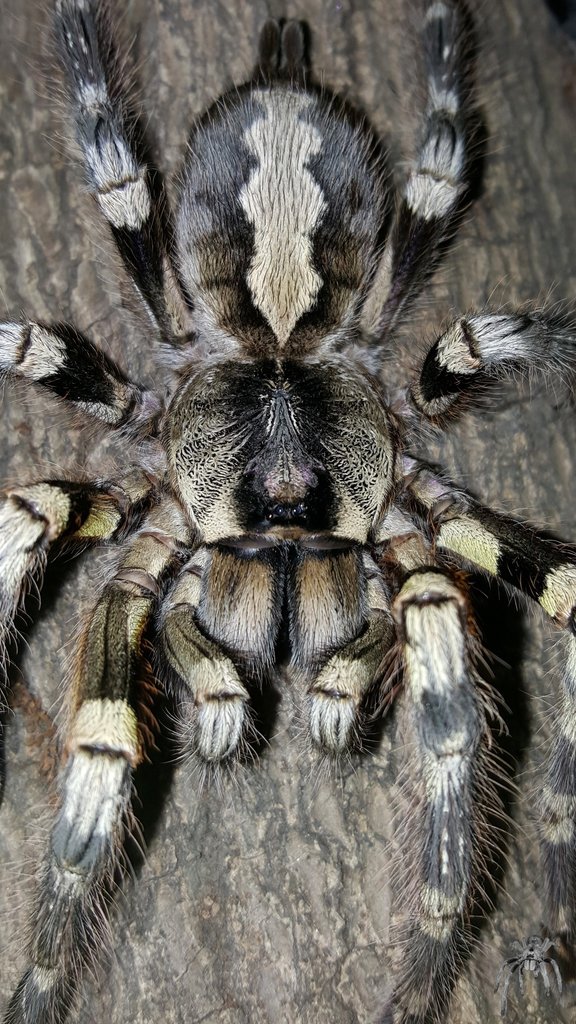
point(269, 900)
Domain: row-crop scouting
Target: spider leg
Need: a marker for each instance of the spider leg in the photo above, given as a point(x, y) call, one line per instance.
point(483, 347)
point(116, 172)
point(108, 733)
point(65, 362)
point(498, 544)
point(42, 515)
point(505, 987)
point(541, 570)
point(506, 971)
point(325, 616)
point(447, 725)
point(432, 196)
point(219, 603)
point(558, 977)
point(544, 975)
point(521, 979)
point(506, 966)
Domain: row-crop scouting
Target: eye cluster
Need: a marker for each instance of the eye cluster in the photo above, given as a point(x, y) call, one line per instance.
point(286, 513)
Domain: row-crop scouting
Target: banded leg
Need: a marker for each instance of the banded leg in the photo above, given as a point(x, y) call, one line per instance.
point(432, 196)
point(440, 859)
point(108, 733)
point(117, 175)
point(327, 618)
point(475, 350)
point(496, 543)
point(221, 607)
point(34, 518)
point(65, 362)
point(540, 569)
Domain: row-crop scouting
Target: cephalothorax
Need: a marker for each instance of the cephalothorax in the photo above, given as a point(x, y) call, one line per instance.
point(280, 518)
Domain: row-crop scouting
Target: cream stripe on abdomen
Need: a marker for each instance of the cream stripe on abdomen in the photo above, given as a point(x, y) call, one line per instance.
point(285, 204)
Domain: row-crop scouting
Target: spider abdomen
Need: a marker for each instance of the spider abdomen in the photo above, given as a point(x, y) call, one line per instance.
point(279, 219)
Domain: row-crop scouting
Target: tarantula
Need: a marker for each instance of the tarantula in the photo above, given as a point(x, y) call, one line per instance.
point(280, 517)
point(530, 959)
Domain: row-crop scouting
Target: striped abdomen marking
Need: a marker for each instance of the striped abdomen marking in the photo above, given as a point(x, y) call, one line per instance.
point(285, 204)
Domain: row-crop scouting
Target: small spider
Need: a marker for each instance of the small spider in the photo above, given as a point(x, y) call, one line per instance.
point(278, 523)
point(531, 959)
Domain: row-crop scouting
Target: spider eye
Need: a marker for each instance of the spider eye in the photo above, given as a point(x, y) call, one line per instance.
point(279, 513)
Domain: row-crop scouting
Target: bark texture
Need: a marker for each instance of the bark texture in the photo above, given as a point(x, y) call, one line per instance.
point(270, 901)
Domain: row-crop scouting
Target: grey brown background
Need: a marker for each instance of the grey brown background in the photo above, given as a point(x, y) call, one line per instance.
point(270, 901)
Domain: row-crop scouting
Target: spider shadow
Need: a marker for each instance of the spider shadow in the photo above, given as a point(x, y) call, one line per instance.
point(154, 777)
point(153, 780)
point(502, 628)
point(60, 570)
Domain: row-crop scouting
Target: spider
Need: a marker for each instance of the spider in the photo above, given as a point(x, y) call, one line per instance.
point(280, 515)
point(531, 959)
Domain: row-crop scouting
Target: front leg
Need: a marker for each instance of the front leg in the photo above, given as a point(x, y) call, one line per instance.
point(218, 629)
point(338, 608)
